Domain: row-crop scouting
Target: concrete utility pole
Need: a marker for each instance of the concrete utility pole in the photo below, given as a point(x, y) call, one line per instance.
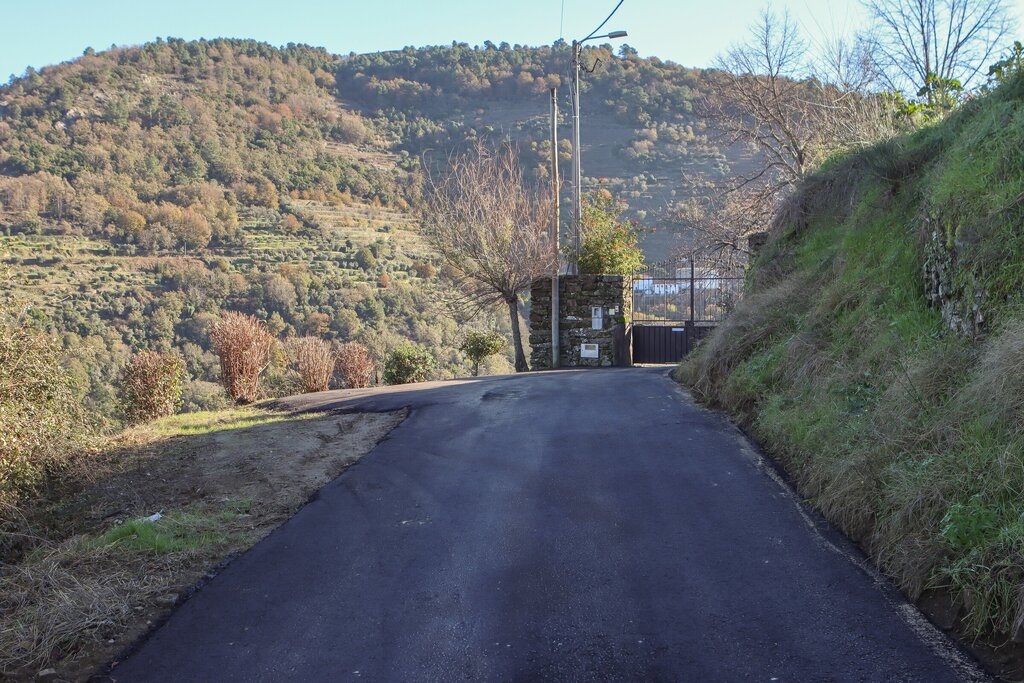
point(555, 221)
point(577, 169)
point(577, 181)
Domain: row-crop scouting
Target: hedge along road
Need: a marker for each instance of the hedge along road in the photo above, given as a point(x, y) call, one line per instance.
point(569, 525)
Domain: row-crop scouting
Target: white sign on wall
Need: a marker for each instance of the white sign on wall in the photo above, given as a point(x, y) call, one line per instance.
point(588, 351)
point(596, 318)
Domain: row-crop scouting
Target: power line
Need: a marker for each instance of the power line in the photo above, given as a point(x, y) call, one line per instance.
point(594, 32)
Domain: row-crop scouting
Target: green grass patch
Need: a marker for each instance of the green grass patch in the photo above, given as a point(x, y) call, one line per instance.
point(179, 531)
point(210, 422)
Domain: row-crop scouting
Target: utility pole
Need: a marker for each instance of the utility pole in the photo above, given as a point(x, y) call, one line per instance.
point(556, 308)
point(693, 286)
point(577, 168)
point(577, 180)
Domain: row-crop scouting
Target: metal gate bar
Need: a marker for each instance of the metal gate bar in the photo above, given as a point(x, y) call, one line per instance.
point(676, 303)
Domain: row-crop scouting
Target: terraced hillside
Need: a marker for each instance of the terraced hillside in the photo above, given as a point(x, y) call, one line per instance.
point(144, 190)
point(642, 135)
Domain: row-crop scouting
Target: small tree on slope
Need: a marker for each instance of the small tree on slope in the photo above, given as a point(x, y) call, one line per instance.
point(479, 345)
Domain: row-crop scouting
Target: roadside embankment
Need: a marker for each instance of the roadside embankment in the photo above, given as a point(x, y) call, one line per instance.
point(110, 545)
point(880, 358)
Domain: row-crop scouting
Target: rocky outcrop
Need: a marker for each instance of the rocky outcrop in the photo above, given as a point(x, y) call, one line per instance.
point(949, 287)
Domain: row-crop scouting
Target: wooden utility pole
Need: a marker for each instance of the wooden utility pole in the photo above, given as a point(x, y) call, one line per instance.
point(555, 221)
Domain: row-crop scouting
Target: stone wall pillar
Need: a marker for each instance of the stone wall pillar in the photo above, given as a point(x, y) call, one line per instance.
point(596, 310)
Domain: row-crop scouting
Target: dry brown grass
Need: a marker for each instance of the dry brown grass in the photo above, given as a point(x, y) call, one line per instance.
point(66, 599)
point(999, 380)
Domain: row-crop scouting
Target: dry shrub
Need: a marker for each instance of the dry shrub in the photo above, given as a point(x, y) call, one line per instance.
point(151, 385)
point(355, 364)
point(40, 419)
point(314, 361)
point(245, 347)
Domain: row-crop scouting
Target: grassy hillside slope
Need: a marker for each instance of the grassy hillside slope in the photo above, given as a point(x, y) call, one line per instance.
point(880, 356)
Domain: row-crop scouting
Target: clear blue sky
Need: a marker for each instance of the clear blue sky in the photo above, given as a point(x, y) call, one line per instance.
point(690, 32)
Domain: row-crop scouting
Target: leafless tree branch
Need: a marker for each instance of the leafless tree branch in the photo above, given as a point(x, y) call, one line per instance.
point(945, 39)
point(491, 229)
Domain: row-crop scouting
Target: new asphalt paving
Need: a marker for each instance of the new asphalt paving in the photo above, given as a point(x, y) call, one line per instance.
point(560, 526)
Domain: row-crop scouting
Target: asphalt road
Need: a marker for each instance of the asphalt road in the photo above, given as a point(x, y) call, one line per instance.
point(563, 526)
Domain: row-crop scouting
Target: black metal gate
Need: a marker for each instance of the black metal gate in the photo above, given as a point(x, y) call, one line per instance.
point(659, 343)
point(677, 303)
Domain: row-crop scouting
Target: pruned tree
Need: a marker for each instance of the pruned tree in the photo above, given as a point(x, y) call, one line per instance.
point(245, 347)
point(928, 47)
point(355, 363)
point(314, 361)
point(491, 228)
point(151, 385)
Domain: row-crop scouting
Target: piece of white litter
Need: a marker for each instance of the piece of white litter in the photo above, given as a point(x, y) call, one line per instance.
point(153, 517)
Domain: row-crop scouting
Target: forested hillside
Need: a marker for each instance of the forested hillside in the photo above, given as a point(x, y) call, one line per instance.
point(642, 135)
point(144, 190)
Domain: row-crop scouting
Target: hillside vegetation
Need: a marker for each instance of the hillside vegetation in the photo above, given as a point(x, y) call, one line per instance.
point(880, 355)
point(643, 135)
point(145, 190)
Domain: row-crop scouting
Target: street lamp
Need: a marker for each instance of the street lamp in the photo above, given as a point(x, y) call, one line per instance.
point(577, 174)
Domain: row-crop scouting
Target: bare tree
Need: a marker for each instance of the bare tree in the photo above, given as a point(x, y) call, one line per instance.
point(927, 46)
point(490, 227)
point(849, 109)
point(722, 223)
point(759, 98)
point(792, 113)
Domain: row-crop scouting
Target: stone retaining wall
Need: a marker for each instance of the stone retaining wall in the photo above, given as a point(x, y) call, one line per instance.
point(948, 288)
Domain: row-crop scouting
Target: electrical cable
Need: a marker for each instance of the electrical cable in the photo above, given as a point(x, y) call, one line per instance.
point(607, 19)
